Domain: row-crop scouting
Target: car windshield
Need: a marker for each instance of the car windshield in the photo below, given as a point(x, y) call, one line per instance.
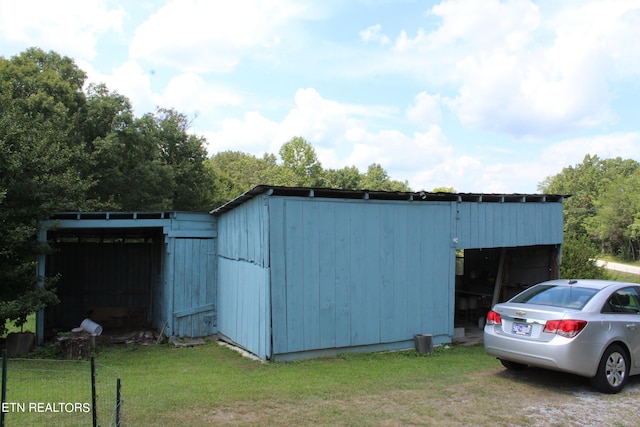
point(557, 296)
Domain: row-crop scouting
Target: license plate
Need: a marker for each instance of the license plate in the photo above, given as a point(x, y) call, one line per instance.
point(521, 329)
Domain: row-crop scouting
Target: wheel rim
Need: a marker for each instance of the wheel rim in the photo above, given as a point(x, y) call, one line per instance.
point(616, 369)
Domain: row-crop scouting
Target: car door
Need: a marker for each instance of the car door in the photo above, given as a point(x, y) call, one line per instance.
point(623, 310)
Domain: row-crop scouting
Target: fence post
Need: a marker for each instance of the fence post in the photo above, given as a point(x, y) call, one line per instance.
point(118, 402)
point(93, 392)
point(4, 384)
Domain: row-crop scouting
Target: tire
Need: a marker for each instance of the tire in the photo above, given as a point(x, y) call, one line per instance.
point(513, 366)
point(613, 370)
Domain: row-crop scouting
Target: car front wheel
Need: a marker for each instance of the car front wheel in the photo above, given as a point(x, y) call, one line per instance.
point(612, 371)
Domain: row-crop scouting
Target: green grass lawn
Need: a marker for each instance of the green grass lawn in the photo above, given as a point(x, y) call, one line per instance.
point(29, 326)
point(623, 277)
point(214, 385)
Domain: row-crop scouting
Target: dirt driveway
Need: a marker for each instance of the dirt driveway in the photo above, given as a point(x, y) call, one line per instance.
point(557, 399)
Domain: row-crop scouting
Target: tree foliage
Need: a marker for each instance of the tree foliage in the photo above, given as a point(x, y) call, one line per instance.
point(301, 167)
point(586, 182)
point(41, 107)
point(182, 156)
point(149, 163)
point(614, 226)
point(377, 178)
point(579, 256)
point(604, 207)
point(244, 171)
point(347, 178)
point(298, 167)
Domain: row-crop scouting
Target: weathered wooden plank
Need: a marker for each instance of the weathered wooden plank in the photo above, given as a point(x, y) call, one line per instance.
point(400, 277)
point(343, 274)
point(193, 310)
point(327, 275)
point(371, 272)
point(294, 237)
point(358, 268)
point(244, 305)
point(278, 279)
point(414, 303)
point(390, 231)
point(310, 264)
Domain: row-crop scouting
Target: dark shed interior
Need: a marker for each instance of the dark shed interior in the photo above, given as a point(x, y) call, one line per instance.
point(107, 275)
point(487, 276)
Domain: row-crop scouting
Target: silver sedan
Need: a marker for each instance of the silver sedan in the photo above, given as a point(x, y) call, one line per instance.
point(585, 327)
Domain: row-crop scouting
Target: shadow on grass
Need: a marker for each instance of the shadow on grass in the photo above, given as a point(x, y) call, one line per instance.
point(560, 382)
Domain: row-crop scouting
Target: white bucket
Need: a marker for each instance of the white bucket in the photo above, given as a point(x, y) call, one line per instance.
point(91, 327)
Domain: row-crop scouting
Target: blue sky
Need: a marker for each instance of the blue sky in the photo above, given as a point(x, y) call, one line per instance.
point(483, 96)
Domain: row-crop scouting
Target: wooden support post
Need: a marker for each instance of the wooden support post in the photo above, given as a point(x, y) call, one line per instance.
point(499, 277)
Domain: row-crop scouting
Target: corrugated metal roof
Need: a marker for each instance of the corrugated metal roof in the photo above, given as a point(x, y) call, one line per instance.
point(385, 195)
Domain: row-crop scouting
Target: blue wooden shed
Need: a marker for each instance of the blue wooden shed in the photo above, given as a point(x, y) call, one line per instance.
point(306, 272)
point(288, 272)
point(131, 269)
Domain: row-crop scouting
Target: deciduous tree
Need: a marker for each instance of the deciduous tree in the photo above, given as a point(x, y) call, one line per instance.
point(41, 107)
point(301, 167)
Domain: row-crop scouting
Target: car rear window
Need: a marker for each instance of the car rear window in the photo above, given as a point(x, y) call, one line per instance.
point(557, 296)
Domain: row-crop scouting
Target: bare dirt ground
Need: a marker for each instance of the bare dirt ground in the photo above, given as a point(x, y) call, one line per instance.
point(546, 398)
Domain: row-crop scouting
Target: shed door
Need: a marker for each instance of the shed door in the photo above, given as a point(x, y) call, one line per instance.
point(194, 305)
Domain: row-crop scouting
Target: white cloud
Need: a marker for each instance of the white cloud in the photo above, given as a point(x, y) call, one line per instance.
point(524, 68)
point(189, 92)
point(322, 122)
point(342, 137)
point(317, 119)
point(71, 27)
point(425, 110)
point(204, 36)
point(571, 152)
point(130, 80)
point(549, 88)
point(531, 94)
point(476, 26)
point(399, 151)
point(610, 28)
point(373, 33)
point(254, 134)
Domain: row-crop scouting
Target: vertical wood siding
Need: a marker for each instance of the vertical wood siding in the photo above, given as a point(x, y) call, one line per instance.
point(194, 287)
point(244, 309)
point(162, 297)
point(493, 225)
point(358, 273)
